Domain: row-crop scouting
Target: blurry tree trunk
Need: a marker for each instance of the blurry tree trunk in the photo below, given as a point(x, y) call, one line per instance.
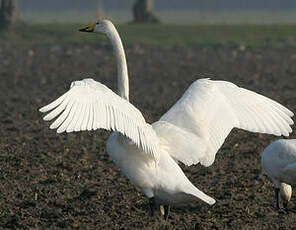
point(100, 11)
point(143, 12)
point(9, 13)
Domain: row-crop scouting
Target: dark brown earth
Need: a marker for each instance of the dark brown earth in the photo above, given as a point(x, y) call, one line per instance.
point(51, 181)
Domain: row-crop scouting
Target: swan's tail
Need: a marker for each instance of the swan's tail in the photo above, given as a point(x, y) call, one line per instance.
point(202, 196)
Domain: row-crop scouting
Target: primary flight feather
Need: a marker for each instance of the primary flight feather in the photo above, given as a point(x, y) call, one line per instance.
point(192, 131)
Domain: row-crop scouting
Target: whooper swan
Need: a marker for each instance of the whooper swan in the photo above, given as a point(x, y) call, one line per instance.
point(279, 162)
point(192, 131)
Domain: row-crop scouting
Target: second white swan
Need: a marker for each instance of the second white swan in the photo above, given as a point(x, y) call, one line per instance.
point(191, 132)
point(279, 162)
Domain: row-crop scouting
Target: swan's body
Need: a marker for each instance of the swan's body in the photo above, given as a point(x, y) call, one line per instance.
point(192, 131)
point(279, 162)
point(164, 180)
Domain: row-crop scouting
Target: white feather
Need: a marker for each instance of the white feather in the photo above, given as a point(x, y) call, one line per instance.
point(120, 115)
point(216, 107)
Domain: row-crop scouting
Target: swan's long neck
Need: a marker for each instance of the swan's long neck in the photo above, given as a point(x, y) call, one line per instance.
point(122, 74)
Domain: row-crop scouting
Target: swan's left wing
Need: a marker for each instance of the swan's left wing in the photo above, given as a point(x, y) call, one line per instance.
point(206, 114)
point(90, 105)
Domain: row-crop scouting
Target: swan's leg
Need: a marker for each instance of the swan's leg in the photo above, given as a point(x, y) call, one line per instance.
point(152, 205)
point(166, 211)
point(285, 204)
point(277, 200)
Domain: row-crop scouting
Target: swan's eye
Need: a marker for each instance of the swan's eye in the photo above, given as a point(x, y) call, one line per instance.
point(98, 23)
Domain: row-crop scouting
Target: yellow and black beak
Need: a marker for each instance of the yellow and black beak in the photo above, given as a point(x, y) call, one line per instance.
point(89, 28)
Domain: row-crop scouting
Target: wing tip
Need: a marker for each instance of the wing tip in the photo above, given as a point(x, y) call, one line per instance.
point(60, 131)
point(42, 109)
point(290, 113)
point(46, 118)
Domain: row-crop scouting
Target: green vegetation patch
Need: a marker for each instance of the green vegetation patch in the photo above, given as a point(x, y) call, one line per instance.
point(252, 36)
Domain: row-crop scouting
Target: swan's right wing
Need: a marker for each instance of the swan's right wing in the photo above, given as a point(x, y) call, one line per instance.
point(206, 114)
point(90, 105)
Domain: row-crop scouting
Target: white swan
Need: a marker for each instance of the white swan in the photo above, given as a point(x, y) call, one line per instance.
point(192, 131)
point(279, 162)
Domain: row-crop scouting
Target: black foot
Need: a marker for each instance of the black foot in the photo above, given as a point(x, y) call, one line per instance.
point(152, 205)
point(166, 211)
point(277, 200)
point(285, 205)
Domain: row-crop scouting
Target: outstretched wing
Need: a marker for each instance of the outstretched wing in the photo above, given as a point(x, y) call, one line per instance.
point(90, 105)
point(209, 110)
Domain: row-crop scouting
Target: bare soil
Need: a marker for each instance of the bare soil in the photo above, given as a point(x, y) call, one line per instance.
point(67, 181)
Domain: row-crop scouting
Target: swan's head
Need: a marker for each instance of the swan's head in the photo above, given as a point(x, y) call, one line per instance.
point(102, 26)
point(286, 193)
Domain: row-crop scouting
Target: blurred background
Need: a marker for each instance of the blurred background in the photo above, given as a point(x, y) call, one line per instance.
point(168, 11)
point(187, 23)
